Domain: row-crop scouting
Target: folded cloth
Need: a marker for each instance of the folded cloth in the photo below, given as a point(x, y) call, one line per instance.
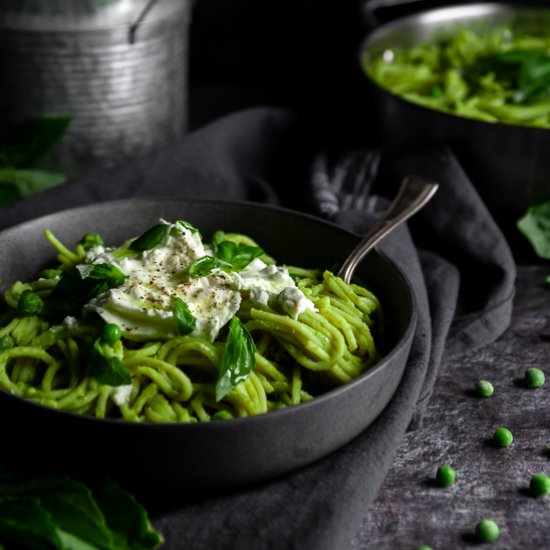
point(454, 254)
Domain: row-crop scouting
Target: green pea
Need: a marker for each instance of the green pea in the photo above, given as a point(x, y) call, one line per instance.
point(222, 415)
point(534, 378)
point(6, 342)
point(503, 437)
point(445, 475)
point(487, 530)
point(484, 388)
point(540, 485)
point(110, 333)
point(29, 304)
point(423, 547)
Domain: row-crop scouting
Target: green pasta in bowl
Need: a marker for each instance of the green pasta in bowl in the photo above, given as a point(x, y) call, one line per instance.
point(168, 328)
point(174, 355)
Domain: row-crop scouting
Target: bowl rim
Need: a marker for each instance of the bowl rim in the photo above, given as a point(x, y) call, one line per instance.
point(317, 401)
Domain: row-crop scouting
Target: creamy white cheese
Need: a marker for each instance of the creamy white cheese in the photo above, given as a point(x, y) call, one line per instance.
point(121, 394)
point(141, 306)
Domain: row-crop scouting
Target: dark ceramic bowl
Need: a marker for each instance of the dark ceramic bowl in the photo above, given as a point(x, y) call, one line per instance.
point(217, 454)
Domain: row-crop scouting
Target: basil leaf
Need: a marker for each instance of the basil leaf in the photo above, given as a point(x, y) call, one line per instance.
point(60, 512)
point(152, 238)
point(188, 226)
point(106, 369)
point(185, 320)
point(535, 226)
point(238, 358)
point(25, 524)
point(90, 240)
point(238, 255)
point(16, 184)
point(108, 274)
point(78, 285)
point(204, 265)
point(126, 518)
point(29, 141)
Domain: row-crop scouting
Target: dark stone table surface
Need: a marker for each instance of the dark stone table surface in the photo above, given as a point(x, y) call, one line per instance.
point(491, 482)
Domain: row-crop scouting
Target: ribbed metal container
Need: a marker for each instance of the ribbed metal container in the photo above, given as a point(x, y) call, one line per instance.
point(118, 67)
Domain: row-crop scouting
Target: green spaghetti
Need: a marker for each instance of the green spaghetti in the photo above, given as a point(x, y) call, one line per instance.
point(498, 76)
point(167, 328)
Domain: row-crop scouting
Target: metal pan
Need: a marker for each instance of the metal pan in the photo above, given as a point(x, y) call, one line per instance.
point(509, 165)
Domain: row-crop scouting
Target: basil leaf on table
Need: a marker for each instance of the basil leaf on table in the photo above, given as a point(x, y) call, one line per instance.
point(152, 238)
point(30, 141)
point(127, 519)
point(17, 184)
point(105, 368)
point(79, 284)
point(59, 512)
point(185, 320)
point(238, 358)
point(26, 524)
point(535, 226)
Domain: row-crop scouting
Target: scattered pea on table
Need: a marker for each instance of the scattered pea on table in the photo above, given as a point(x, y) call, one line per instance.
point(445, 475)
point(487, 531)
point(484, 388)
point(534, 378)
point(540, 485)
point(503, 437)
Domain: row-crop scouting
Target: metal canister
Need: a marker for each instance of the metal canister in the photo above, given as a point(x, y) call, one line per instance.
point(117, 67)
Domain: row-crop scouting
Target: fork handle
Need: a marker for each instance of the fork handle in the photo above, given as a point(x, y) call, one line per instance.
point(413, 194)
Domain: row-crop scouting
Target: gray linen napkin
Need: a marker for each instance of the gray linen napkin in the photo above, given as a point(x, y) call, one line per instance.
point(456, 257)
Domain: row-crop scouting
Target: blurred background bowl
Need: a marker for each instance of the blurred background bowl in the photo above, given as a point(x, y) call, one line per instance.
point(509, 165)
point(216, 454)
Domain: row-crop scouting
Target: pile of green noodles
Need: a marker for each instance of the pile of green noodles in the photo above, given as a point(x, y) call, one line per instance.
point(435, 75)
point(174, 380)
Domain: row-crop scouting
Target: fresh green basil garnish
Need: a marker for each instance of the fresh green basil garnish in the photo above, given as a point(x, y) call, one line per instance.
point(152, 238)
point(90, 240)
point(238, 255)
point(105, 368)
point(185, 320)
point(78, 285)
point(204, 265)
point(187, 225)
point(238, 358)
point(59, 512)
